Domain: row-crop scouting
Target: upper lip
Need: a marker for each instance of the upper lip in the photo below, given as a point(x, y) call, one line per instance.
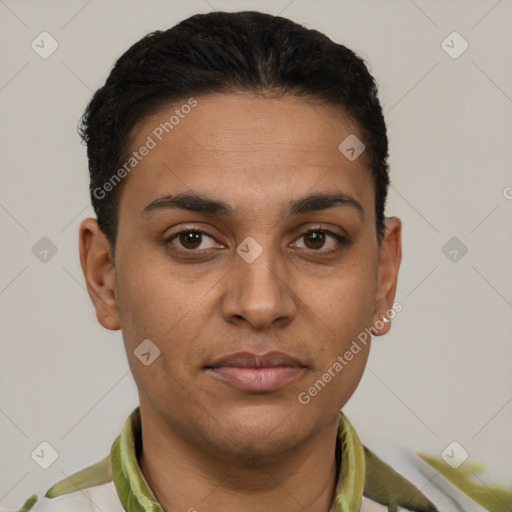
point(250, 360)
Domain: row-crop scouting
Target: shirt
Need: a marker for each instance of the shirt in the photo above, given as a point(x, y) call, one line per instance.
point(116, 483)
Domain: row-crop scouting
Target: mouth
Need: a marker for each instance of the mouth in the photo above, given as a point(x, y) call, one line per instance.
point(257, 372)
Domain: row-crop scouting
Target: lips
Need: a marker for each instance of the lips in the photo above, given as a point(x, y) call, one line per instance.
point(250, 360)
point(256, 372)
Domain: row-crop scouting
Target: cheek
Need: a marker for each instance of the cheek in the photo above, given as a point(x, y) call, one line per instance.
point(345, 302)
point(152, 300)
point(160, 305)
point(342, 309)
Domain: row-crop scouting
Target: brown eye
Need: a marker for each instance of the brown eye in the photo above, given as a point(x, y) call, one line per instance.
point(190, 240)
point(316, 239)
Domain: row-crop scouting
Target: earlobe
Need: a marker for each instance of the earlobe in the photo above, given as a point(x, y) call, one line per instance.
point(99, 272)
point(390, 257)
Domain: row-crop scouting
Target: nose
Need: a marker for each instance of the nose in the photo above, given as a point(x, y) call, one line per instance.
point(259, 291)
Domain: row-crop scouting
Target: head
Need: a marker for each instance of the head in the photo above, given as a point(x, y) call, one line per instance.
point(230, 217)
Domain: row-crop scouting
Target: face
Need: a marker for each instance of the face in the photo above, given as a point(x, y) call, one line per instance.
point(244, 267)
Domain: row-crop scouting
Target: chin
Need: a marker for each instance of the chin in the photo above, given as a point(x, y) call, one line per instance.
point(253, 448)
point(263, 430)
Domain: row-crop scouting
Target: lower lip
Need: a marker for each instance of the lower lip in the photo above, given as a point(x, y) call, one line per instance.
point(257, 379)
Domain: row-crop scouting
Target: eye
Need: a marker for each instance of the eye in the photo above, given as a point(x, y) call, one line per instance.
point(315, 239)
point(190, 240)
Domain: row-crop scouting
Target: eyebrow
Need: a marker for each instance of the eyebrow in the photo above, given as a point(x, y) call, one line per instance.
point(200, 203)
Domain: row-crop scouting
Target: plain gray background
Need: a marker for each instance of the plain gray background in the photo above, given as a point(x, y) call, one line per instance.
point(442, 374)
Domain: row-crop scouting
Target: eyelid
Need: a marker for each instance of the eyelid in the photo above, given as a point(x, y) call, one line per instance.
point(319, 227)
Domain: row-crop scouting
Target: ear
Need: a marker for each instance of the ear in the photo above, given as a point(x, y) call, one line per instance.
point(99, 272)
point(390, 256)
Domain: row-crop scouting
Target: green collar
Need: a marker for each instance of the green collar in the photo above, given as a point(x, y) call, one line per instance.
point(136, 495)
point(360, 467)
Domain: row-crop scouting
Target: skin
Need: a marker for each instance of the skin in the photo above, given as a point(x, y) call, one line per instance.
point(207, 444)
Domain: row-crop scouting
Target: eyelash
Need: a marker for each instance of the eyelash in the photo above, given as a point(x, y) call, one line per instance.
point(340, 239)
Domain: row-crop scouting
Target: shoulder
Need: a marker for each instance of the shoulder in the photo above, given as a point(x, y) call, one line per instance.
point(91, 499)
point(385, 488)
point(88, 490)
point(368, 505)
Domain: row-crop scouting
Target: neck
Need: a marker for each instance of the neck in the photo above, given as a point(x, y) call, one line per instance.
point(187, 479)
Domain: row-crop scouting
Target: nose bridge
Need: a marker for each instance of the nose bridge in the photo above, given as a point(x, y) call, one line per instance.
point(259, 260)
point(258, 291)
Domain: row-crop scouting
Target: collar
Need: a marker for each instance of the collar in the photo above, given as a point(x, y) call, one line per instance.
point(136, 494)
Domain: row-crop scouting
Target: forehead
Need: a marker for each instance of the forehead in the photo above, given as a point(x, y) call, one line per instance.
point(242, 146)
